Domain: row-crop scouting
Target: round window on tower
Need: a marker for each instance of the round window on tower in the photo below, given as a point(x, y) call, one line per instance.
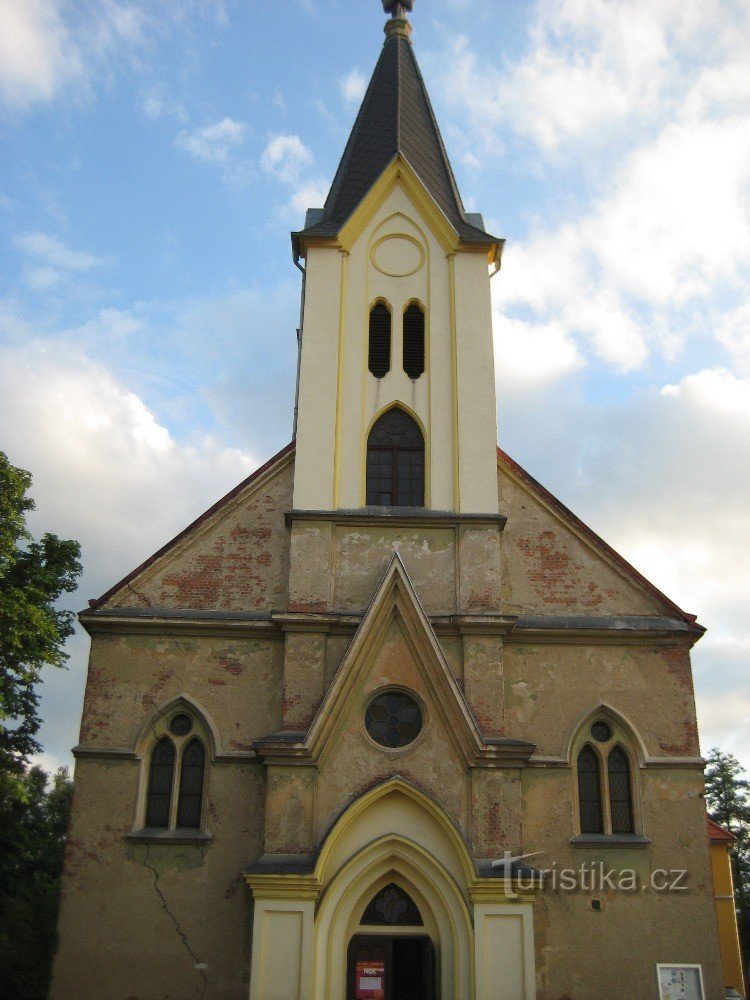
point(393, 719)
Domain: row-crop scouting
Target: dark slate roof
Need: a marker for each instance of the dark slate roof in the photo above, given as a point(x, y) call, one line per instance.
point(396, 117)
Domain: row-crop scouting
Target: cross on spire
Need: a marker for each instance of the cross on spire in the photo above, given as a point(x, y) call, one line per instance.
point(398, 9)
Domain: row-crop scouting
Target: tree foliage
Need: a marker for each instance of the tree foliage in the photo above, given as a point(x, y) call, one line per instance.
point(33, 825)
point(33, 819)
point(728, 802)
point(33, 576)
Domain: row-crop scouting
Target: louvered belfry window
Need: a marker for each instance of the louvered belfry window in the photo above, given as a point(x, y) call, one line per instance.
point(191, 785)
point(413, 341)
point(589, 791)
point(395, 462)
point(160, 778)
point(620, 795)
point(379, 358)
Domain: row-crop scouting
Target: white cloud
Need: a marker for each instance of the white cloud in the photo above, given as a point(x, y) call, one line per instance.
point(528, 353)
point(37, 52)
point(157, 104)
point(55, 253)
point(213, 143)
point(353, 86)
point(46, 45)
point(100, 456)
point(284, 157)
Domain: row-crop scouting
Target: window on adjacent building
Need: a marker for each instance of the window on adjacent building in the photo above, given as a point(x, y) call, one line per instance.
point(414, 341)
point(395, 462)
point(176, 776)
point(605, 782)
point(379, 357)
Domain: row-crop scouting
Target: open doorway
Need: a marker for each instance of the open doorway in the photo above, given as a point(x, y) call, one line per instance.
point(391, 967)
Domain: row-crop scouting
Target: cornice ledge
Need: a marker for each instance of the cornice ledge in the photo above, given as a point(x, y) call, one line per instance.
point(81, 752)
point(178, 621)
point(616, 629)
point(484, 624)
point(502, 752)
point(395, 515)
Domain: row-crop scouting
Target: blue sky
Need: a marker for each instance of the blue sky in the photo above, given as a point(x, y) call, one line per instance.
point(154, 157)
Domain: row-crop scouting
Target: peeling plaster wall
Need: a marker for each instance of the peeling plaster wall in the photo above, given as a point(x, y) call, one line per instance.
point(237, 682)
point(549, 688)
point(547, 569)
point(136, 919)
point(236, 561)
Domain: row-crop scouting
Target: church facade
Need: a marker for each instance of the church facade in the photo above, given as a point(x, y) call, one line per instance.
point(389, 721)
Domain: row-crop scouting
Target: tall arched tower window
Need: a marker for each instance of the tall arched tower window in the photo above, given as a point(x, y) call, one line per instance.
point(414, 341)
point(379, 357)
point(395, 462)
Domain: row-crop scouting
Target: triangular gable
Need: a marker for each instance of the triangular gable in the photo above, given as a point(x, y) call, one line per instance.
point(396, 597)
point(140, 586)
point(652, 600)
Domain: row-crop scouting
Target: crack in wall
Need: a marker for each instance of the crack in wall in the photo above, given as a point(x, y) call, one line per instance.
point(203, 989)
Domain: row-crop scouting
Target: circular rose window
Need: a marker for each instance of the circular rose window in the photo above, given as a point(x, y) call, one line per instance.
point(601, 732)
point(393, 719)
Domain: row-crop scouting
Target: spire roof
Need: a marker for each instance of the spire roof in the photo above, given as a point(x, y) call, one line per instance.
point(396, 117)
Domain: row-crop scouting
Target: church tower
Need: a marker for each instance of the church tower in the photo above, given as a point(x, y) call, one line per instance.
point(346, 734)
point(396, 335)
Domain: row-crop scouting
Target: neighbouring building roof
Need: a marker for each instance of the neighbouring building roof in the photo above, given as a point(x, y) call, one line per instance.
point(396, 117)
point(718, 834)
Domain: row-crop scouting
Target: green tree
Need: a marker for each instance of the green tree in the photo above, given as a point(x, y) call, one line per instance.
point(728, 802)
point(33, 577)
point(33, 825)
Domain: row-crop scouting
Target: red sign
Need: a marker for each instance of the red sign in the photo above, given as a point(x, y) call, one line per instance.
point(370, 981)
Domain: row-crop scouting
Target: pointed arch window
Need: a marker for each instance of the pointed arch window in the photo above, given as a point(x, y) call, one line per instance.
point(606, 803)
point(392, 906)
point(176, 776)
point(395, 462)
point(379, 354)
point(414, 341)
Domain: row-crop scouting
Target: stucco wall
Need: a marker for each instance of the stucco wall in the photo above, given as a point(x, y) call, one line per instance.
point(136, 919)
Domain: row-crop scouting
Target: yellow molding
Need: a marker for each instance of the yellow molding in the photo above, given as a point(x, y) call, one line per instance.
point(284, 886)
point(454, 379)
point(397, 236)
point(340, 375)
point(400, 172)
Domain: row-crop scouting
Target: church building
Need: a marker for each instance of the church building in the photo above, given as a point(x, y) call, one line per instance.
point(389, 721)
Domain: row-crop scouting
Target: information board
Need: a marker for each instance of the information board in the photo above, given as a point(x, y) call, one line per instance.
point(370, 981)
point(680, 982)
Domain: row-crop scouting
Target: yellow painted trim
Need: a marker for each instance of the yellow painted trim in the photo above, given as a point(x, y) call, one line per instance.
point(454, 380)
point(340, 376)
point(397, 236)
point(284, 886)
point(399, 171)
point(391, 787)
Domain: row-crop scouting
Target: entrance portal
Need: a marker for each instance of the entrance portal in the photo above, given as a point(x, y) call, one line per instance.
point(384, 967)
